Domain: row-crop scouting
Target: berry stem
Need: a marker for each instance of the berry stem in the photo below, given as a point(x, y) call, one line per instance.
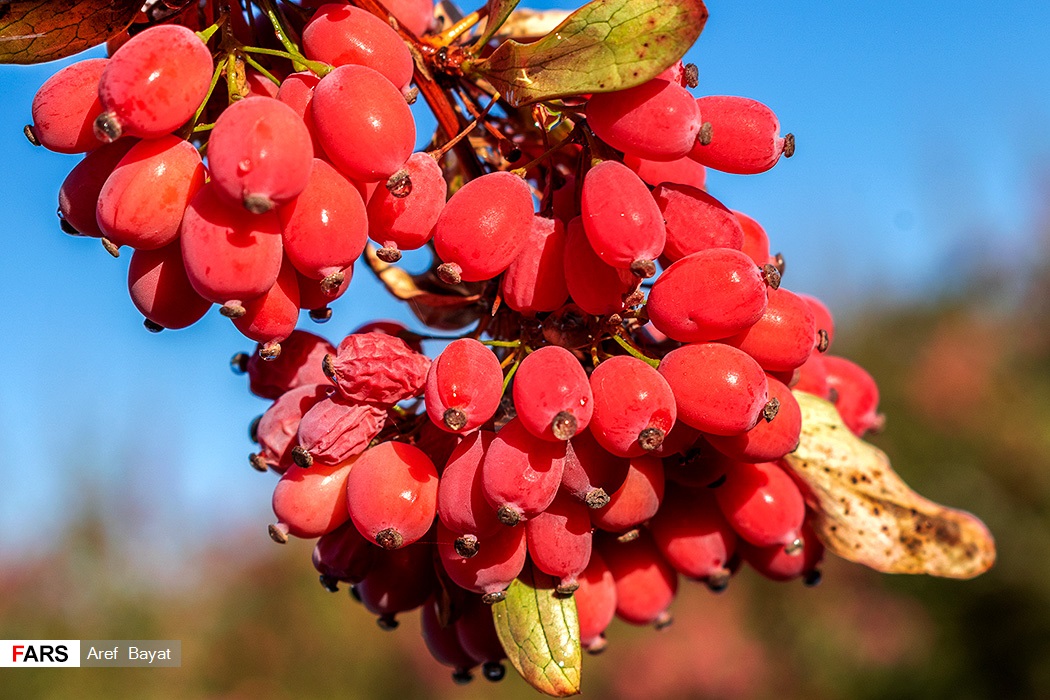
point(502, 343)
point(191, 127)
point(316, 67)
point(265, 73)
point(465, 131)
point(634, 351)
point(456, 30)
point(298, 60)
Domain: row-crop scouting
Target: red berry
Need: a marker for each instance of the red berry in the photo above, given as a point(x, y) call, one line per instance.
point(310, 502)
point(78, 196)
point(634, 408)
point(377, 368)
point(694, 537)
point(854, 393)
point(476, 632)
point(777, 564)
point(336, 429)
point(400, 580)
point(342, 34)
point(153, 84)
point(535, 280)
point(813, 377)
point(464, 386)
point(297, 91)
point(756, 242)
point(774, 436)
point(483, 227)
point(782, 339)
point(744, 136)
point(763, 504)
point(591, 472)
point(708, 295)
point(298, 364)
point(443, 643)
point(230, 255)
point(278, 428)
point(363, 123)
point(343, 555)
point(695, 221)
point(559, 541)
point(400, 220)
point(499, 560)
point(259, 153)
point(623, 223)
point(270, 318)
point(392, 494)
point(682, 171)
point(462, 505)
point(595, 602)
point(645, 583)
point(65, 108)
point(552, 394)
point(658, 119)
point(637, 499)
point(596, 287)
point(823, 320)
point(143, 200)
point(718, 388)
point(521, 473)
point(161, 291)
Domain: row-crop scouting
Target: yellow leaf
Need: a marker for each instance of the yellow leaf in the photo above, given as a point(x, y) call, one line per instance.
point(868, 515)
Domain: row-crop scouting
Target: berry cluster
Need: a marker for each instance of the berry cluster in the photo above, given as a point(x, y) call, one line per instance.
point(618, 408)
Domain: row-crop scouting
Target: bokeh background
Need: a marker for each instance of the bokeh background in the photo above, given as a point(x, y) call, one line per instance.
point(917, 206)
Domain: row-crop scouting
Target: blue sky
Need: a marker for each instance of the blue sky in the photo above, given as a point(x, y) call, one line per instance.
point(922, 139)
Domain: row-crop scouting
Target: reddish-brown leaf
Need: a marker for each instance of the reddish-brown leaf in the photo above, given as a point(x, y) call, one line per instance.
point(36, 31)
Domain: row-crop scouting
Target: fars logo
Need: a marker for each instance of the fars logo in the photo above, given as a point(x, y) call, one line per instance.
point(34, 653)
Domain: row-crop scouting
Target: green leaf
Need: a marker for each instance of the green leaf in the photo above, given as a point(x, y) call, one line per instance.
point(604, 46)
point(540, 633)
point(865, 513)
point(496, 13)
point(35, 31)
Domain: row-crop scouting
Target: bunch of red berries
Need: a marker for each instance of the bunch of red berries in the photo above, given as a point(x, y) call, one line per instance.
point(615, 412)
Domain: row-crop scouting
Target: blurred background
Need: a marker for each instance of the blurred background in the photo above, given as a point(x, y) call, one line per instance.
point(917, 206)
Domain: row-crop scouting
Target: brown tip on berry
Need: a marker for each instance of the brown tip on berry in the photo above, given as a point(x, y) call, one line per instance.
point(253, 429)
point(111, 247)
point(107, 127)
point(770, 410)
point(388, 254)
point(322, 315)
point(823, 340)
point(329, 583)
point(634, 298)
point(152, 326)
point(629, 536)
point(510, 152)
point(692, 75)
point(257, 203)
point(390, 539)
point(650, 439)
point(789, 145)
point(794, 547)
point(239, 363)
point(812, 578)
point(355, 594)
point(493, 671)
point(564, 425)
point(330, 284)
point(643, 269)
point(719, 580)
point(302, 457)
point(466, 546)
point(450, 273)
point(232, 309)
point(780, 263)
point(278, 533)
point(565, 589)
point(704, 136)
point(598, 645)
point(328, 366)
point(462, 676)
point(387, 623)
point(596, 498)
point(67, 227)
point(771, 275)
point(257, 462)
point(663, 621)
point(454, 419)
point(411, 95)
point(508, 515)
point(271, 351)
point(492, 598)
point(31, 135)
point(400, 184)
point(879, 424)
